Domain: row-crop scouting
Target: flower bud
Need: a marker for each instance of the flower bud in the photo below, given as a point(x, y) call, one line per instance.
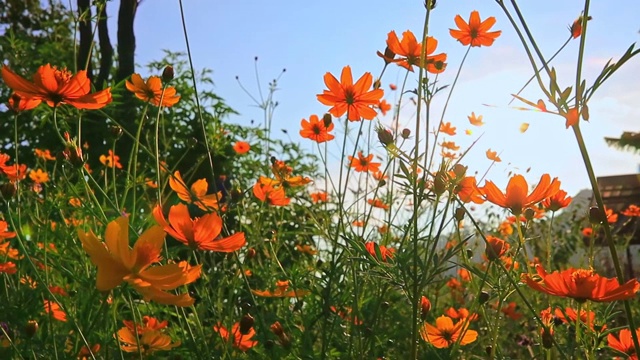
point(327, 119)
point(246, 323)
point(377, 84)
point(385, 136)
point(31, 328)
point(484, 296)
point(8, 190)
point(460, 170)
point(439, 183)
point(115, 131)
point(529, 213)
point(596, 216)
point(425, 307)
point(405, 133)
point(167, 73)
point(459, 214)
point(251, 253)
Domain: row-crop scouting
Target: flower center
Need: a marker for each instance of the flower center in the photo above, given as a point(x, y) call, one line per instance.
point(349, 96)
point(62, 76)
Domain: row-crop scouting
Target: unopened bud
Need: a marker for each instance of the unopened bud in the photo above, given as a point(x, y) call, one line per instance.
point(246, 323)
point(529, 213)
point(484, 296)
point(425, 307)
point(439, 183)
point(251, 253)
point(167, 73)
point(277, 329)
point(385, 136)
point(31, 328)
point(459, 215)
point(377, 84)
point(388, 55)
point(596, 216)
point(327, 119)
point(405, 133)
point(460, 170)
point(115, 131)
point(8, 190)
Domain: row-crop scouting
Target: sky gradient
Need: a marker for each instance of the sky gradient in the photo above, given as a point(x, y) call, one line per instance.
point(310, 38)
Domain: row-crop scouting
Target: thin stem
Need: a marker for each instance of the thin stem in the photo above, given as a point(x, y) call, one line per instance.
point(607, 230)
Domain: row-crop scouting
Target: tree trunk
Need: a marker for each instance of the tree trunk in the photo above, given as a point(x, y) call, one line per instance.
point(126, 39)
point(83, 62)
point(106, 50)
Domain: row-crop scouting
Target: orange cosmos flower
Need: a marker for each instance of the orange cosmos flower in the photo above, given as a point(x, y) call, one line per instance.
point(151, 90)
point(467, 190)
point(353, 99)
point(199, 233)
point(18, 103)
point(38, 176)
point(445, 333)
point(451, 145)
point(556, 202)
point(572, 316)
point(241, 341)
point(516, 198)
point(319, 196)
point(410, 50)
point(197, 194)
point(8, 268)
point(425, 307)
point(576, 27)
point(464, 274)
point(475, 33)
point(44, 154)
point(631, 211)
point(273, 195)
point(612, 217)
point(281, 291)
point(581, 285)
point(364, 163)
point(378, 204)
point(461, 314)
point(624, 343)
point(149, 323)
point(111, 160)
point(57, 87)
point(4, 231)
point(52, 308)
point(493, 156)
point(316, 129)
point(476, 121)
point(385, 252)
point(495, 248)
point(283, 176)
point(241, 147)
point(510, 311)
point(384, 106)
point(447, 128)
point(587, 232)
point(145, 343)
point(306, 249)
point(117, 262)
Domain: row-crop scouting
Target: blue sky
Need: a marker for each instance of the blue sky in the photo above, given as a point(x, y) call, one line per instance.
point(310, 38)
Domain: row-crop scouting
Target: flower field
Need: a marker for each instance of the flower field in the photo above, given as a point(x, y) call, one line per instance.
point(137, 222)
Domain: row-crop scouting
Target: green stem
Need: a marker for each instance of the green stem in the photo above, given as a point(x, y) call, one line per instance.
point(607, 230)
